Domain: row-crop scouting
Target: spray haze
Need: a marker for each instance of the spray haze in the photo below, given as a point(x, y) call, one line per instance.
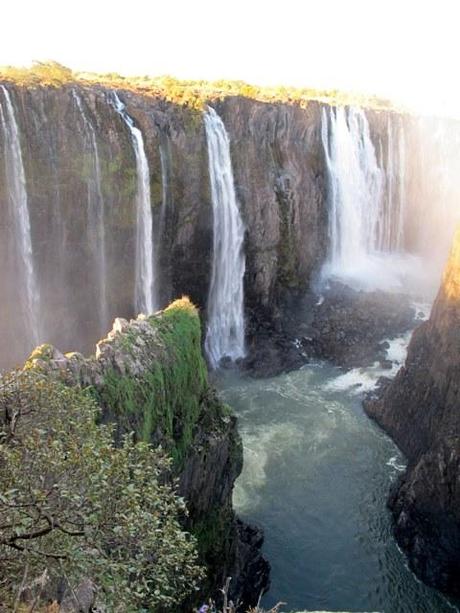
point(392, 198)
point(98, 208)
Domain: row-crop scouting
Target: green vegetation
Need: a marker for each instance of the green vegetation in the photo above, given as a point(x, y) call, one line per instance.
point(164, 402)
point(85, 501)
point(74, 507)
point(193, 94)
point(40, 73)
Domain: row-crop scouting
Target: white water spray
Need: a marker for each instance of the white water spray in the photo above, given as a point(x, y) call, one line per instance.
point(391, 235)
point(402, 187)
point(17, 191)
point(145, 293)
point(366, 204)
point(225, 328)
point(385, 236)
point(96, 216)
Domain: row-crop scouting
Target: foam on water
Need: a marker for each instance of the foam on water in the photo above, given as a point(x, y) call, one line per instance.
point(258, 448)
point(397, 465)
point(360, 380)
point(316, 477)
point(356, 380)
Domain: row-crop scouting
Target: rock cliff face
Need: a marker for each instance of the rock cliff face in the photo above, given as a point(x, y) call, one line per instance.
point(149, 377)
point(279, 176)
point(80, 170)
point(420, 409)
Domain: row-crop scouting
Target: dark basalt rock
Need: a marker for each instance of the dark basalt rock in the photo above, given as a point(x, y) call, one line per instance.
point(251, 574)
point(345, 326)
point(348, 327)
point(420, 409)
point(272, 349)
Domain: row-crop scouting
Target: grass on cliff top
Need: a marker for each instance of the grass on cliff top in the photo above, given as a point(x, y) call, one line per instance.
point(192, 94)
point(168, 399)
point(165, 402)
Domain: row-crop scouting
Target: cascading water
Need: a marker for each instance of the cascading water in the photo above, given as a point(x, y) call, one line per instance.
point(145, 296)
point(96, 216)
point(366, 201)
point(17, 191)
point(356, 185)
point(225, 328)
point(385, 235)
point(402, 187)
point(391, 236)
point(165, 162)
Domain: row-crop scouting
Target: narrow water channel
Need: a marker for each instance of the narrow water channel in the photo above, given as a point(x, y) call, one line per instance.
point(316, 477)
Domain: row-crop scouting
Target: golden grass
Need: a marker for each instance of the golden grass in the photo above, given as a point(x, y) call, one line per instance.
point(193, 94)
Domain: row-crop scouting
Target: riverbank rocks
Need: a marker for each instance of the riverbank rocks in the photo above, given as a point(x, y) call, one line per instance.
point(350, 327)
point(420, 409)
point(347, 327)
point(149, 377)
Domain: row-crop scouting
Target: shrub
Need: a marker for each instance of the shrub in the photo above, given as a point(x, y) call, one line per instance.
point(74, 507)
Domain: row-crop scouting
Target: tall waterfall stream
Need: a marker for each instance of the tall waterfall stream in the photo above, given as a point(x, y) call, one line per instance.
point(19, 212)
point(145, 299)
point(96, 215)
point(366, 204)
point(225, 327)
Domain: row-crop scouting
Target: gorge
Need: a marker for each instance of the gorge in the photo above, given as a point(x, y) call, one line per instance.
point(311, 236)
point(282, 173)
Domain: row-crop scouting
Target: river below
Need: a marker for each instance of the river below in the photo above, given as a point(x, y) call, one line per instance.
point(316, 477)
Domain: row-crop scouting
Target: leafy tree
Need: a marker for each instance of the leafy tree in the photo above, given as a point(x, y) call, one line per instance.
point(74, 507)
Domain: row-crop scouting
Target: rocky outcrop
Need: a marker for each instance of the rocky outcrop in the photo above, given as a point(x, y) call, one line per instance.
point(420, 409)
point(349, 327)
point(149, 376)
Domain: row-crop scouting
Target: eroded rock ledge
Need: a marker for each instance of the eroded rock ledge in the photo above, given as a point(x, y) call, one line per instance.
point(350, 328)
point(420, 409)
point(149, 376)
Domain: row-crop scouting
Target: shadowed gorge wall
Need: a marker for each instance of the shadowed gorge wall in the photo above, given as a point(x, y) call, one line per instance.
point(280, 180)
point(419, 409)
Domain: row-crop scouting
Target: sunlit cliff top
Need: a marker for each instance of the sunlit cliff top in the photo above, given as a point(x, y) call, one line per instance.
point(193, 94)
point(451, 281)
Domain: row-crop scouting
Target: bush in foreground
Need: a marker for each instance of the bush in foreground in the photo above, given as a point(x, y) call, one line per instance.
point(74, 507)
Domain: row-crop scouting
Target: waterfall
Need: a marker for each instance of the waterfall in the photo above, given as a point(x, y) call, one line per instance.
point(165, 157)
point(96, 216)
point(385, 235)
point(402, 187)
point(391, 237)
point(225, 327)
point(366, 200)
point(17, 191)
point(145, 293)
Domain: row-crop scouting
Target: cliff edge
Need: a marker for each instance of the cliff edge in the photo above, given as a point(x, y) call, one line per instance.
point(149, 377)
point(420, 409)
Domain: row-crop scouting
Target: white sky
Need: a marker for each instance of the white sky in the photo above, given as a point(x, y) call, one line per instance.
point(406, 49)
